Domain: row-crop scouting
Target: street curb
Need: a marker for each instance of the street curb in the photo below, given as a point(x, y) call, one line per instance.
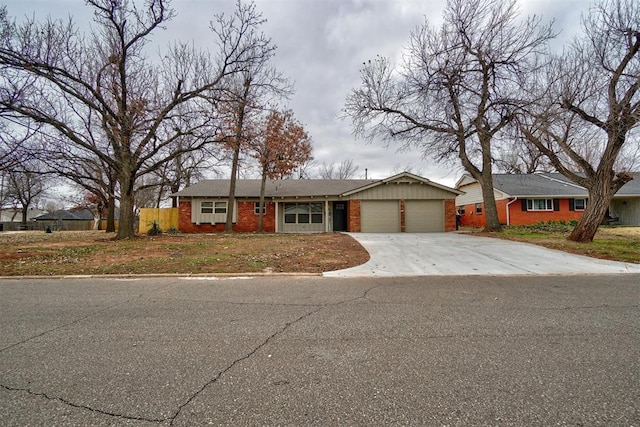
point(161, 275)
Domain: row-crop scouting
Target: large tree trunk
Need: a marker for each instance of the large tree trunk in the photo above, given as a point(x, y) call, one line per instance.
point(492, 222)
point(127, 203)
point(25, 211)
point(111, 205)
point(600, 195)
point(484, 178)
point(111, 214)
point(228, 227)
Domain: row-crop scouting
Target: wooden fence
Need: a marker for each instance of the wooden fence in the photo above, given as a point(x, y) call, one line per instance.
point(166, 218)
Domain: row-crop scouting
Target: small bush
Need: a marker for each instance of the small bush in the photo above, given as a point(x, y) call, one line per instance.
point(155, 229)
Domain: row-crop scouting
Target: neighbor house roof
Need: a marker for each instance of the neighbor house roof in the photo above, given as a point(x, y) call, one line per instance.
point(547, 185)
point(66, 215)
point(537, 184)
point(246, 188)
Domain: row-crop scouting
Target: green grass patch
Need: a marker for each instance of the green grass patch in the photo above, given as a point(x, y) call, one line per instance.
point(611, 242)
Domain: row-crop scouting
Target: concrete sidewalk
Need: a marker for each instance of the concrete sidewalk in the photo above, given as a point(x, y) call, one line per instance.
point(443, 254)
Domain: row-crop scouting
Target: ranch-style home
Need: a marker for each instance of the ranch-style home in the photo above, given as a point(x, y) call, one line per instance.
point(541, 197)
point(401, 203)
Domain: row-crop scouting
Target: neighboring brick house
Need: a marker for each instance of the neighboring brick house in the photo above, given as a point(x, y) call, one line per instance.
point(401, 203)
point(530, 198)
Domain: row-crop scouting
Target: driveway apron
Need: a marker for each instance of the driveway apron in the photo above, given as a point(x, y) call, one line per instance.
point(444, 254)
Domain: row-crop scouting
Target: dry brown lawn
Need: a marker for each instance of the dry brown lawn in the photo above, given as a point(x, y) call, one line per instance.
point(95, 253)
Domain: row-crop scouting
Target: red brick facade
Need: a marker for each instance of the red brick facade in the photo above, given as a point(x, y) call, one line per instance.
point(449, 215)
point(247, 219)
point(518, 216)
point(353, 223)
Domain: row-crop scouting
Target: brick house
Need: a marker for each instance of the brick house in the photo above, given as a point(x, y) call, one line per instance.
point(401, 203)
point(530, 198)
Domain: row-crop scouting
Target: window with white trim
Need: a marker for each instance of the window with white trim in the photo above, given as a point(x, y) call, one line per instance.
point(206, 207)
point(221, 207)
point(256, 208)
point(539, 204)
point(303, 213)
point(479, 208)
point(579, 204)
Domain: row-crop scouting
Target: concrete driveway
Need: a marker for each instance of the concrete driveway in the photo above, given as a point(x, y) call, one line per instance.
point(444, 254)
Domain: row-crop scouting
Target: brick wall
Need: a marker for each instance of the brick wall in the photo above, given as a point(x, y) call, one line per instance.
point(520, 217)
point(353, 223)
point(450, 215)
point(517, 216)
point(247, 219)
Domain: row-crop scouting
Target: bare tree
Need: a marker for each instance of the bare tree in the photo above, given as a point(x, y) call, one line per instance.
point(519, 157)
point(459, 86)
point(25, 184)
point(57, 77)
point(283, 146)
point(346, 169)
point(250, 93)
point(327, 170)
point(593, 108)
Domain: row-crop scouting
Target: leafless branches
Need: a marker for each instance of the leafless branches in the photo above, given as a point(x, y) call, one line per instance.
point(458, 86)
point(101, 95)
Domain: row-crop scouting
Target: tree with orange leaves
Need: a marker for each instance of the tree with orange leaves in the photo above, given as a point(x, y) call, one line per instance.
point(283, 146)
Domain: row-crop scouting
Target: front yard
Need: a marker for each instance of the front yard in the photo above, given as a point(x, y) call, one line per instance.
point(30, 253)
point(95, 252)
point(611, 242)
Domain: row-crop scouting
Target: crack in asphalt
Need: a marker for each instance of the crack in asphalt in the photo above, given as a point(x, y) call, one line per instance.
point(212, 381)
point(319, 308)
point(235, 362)
point(78, 406)
point(76, 321)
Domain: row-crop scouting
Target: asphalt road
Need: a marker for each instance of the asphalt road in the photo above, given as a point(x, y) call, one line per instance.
point(525, 350)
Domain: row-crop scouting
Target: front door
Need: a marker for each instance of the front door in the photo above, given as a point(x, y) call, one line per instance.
point(339, 216)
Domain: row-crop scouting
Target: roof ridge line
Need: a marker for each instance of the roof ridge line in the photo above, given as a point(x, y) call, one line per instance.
point(542, 174)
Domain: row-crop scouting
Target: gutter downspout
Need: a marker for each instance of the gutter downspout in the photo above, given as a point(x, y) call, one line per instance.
point(509, 204)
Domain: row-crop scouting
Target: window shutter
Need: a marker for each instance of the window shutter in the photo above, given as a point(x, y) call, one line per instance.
point(572, 204)
point(524, 204)
point(556, 204)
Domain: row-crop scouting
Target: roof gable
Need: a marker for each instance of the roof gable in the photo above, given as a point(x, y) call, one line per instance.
point(404, 178)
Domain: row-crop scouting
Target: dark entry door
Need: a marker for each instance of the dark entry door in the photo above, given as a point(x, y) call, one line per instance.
point(339, 216)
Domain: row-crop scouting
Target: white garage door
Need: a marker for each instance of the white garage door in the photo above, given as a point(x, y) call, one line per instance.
point(424, 216)
point(380, 216)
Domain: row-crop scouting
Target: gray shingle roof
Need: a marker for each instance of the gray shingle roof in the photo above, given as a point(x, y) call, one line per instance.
point(66, 215)
point(631, 188)
point(279, 188)
point(552, 184)
point(547, 184)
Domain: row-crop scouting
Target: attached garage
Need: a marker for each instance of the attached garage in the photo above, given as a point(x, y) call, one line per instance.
point(380, 216)
point(424, 216)
point(403, 203)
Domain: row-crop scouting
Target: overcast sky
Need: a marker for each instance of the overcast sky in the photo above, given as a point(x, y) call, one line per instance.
point(321, 45)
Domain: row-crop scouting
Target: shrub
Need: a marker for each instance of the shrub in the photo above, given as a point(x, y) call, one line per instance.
point(155, 229)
